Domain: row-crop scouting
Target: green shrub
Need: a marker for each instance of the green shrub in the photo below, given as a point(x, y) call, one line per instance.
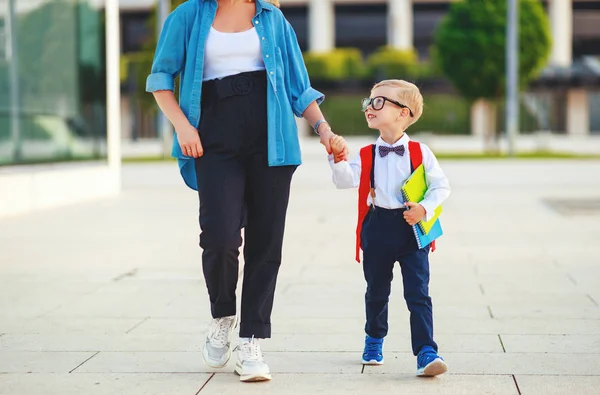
point(388, 62)
point(443, 114)
point(337, 65)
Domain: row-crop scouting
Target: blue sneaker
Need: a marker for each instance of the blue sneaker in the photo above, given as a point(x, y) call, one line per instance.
point(429, 363)
point(373, 354)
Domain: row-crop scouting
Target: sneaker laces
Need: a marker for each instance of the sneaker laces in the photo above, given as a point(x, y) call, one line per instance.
point(427, 356)
point(218, 334)
point(251, 350)
point(373, 347)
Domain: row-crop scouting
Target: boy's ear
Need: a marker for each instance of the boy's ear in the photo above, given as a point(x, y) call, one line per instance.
point(403, 113)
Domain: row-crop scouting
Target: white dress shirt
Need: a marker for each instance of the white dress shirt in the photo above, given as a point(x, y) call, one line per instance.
point(390, 174)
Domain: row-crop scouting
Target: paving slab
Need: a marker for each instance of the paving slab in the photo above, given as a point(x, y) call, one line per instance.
point(100, 384)
point(145, 362)
point(55, 325)
point(189, 362)
point(567, 344)
point(558, 385)
point(548, 326)
point(293, 384)
point(102, 342)
point(394, 342)
point(543, 310)
point(41, 362)
point(500, 363)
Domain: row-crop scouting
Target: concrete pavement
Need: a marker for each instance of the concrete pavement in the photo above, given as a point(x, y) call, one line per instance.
point(108, 297)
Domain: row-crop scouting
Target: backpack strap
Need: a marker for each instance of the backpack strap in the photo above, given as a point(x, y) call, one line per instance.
point(365, 187)
point(416, 155)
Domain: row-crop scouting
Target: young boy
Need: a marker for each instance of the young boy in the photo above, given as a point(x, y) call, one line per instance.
point(384, 230)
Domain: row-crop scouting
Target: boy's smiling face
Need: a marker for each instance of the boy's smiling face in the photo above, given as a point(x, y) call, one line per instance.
point(390, 114)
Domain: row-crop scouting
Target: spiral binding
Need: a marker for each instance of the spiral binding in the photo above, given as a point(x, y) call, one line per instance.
point(419, 224)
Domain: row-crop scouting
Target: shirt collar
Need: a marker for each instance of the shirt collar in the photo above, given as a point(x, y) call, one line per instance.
point(403, 140)
point(260, 5)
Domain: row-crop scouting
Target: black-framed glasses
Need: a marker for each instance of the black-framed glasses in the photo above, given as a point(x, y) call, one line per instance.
point(378, 102)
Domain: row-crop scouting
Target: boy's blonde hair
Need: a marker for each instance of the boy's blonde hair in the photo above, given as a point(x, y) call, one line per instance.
point(407, 94)
point(274, 2)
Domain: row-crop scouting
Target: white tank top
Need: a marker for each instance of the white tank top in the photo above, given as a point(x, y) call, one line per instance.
point(231, 53)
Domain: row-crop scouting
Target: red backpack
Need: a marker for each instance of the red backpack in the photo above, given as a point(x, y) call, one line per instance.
point(367, 186)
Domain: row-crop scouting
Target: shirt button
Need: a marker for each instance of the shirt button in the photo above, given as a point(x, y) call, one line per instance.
point(267, 55)
point(263, 39)
point(256, 22)
point(271, 73)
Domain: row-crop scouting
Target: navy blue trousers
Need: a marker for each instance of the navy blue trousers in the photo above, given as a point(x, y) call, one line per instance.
point(386, 238)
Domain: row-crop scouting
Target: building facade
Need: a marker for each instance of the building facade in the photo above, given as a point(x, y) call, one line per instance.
point(322, 25)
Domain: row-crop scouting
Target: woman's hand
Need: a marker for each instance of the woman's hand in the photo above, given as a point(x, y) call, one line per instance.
point(327, 137)
point(326, 134)
point(189, 141)
point(187, 135)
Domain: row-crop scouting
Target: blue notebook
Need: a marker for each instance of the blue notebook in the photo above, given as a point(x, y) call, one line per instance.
point(423, 240)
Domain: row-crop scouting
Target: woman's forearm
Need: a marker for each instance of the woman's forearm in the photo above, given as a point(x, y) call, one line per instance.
point(313, 114)
point(169, 106)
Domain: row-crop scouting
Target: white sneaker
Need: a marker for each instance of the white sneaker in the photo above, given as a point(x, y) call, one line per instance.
point(217, 349)
point(250, 365)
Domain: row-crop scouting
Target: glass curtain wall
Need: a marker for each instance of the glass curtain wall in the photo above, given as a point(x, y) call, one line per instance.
point(52, 81)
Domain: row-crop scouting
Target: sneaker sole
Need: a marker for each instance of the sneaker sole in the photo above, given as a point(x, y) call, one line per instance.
point(372, 362)
point(252, 378)
point(218, 366)
point(434, 368)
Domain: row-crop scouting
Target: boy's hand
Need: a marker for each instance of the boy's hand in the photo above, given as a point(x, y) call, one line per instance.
point(338, 148)
point(415, 214)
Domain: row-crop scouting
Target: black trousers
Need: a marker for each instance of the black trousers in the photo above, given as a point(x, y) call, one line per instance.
point(386, 238)
point(237, 189)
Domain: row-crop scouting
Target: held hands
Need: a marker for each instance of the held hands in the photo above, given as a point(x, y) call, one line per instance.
point(338, 148)
point(327, 137)
point(415, 213)
point(189, 141)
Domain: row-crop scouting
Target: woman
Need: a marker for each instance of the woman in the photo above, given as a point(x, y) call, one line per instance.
point(242, 69)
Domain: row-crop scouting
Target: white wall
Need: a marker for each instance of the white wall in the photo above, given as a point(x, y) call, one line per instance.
point(26, 189)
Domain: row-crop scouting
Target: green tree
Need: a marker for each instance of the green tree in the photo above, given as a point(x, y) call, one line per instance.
point(470, 47)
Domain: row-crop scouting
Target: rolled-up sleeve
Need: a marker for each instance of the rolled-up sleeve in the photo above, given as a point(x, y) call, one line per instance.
point(169, 57)
point(302, 93)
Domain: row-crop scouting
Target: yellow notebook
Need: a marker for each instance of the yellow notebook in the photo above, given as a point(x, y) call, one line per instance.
point(414, 190)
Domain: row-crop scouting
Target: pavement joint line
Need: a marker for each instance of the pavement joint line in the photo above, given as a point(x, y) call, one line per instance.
point(516, 384)
point(130, 273)
point(490, 311)
point(362, 371)
point(571, 279)
point(136, 325)
point(286, 288)
point(481, 289)
point(207, 381)
point(591, 298)
point(501, 343)
point(76, 367)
